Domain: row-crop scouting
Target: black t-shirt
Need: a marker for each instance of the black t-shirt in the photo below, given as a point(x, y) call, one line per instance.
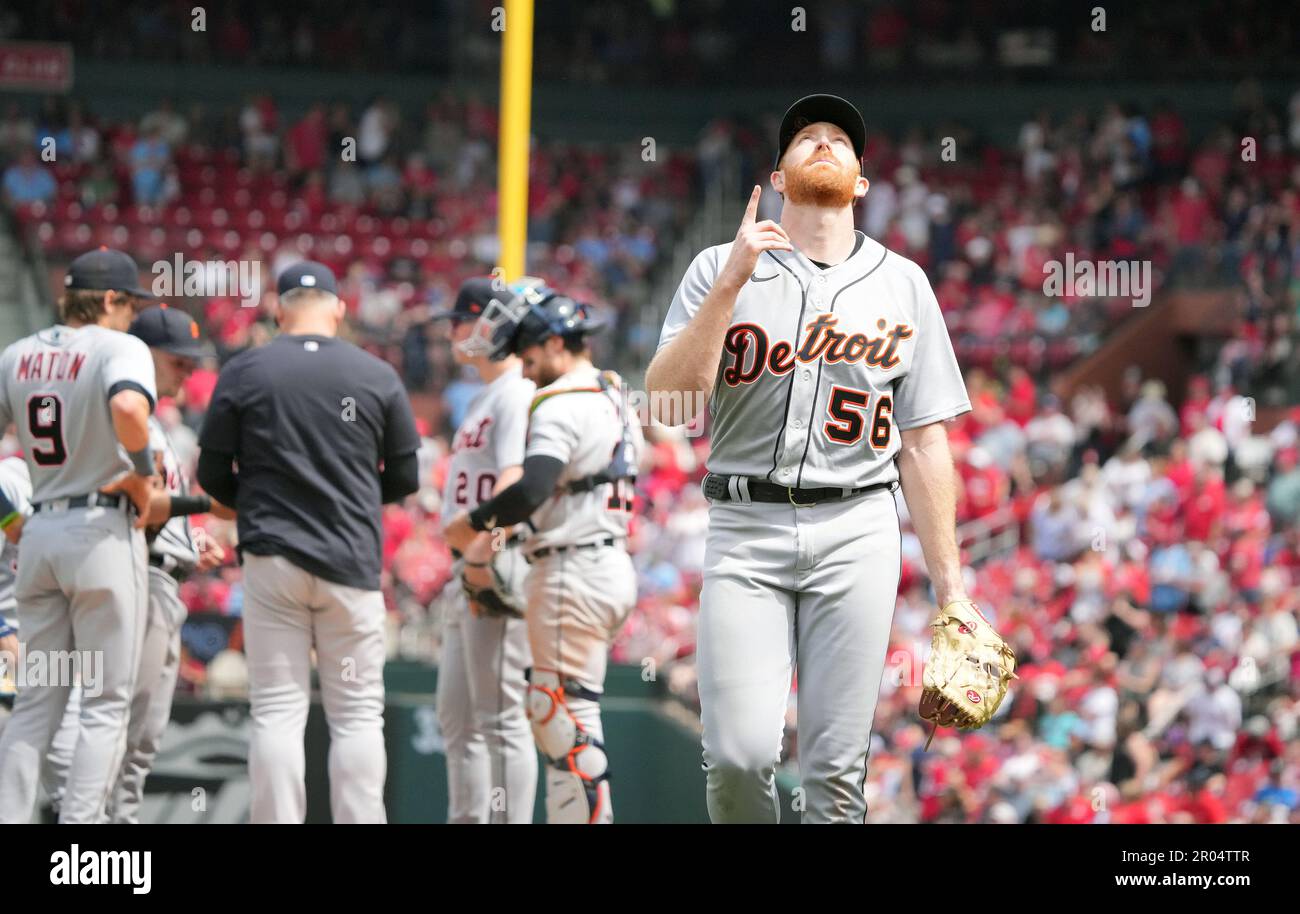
point(309, 419)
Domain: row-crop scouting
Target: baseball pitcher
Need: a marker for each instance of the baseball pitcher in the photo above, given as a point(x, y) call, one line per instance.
point(829, 374)
point(482, 684)
point(576, 495)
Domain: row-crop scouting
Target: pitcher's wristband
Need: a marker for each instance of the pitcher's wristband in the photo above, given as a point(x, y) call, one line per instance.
point(142, 461)
point(183, 505)
point(9, 519)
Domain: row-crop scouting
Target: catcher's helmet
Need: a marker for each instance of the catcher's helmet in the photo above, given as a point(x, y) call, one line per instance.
point(532, 315)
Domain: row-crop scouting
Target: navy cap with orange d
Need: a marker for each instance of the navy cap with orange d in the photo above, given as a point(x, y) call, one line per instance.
point(473, 298)
point(171, 330)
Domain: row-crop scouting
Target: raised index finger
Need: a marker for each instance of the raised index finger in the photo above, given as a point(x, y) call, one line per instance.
point(751, 211)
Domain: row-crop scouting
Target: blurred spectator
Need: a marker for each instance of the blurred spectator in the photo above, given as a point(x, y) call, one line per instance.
point(1152, 419)
point(304, 149)
point(99, 186)
point(150, 157)
point(170, 126)
point(28, 181)
point(375, 131)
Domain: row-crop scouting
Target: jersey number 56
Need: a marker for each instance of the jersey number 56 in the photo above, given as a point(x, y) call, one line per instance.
point(848, 408)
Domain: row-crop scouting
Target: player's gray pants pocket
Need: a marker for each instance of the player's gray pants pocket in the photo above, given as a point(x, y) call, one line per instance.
point(785, 588)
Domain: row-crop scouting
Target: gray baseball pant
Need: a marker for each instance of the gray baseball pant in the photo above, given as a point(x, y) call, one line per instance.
point(287, 612)
point(577, 601)
point(491, 760)
point(786, 588)
point(81, 586)
point(155, 686)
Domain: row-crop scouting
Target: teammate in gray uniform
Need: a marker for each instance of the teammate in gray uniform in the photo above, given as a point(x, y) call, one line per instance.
point(575, 492)
point(16, 495)
point(176, 346)
point(80, 394)
point(830, 373)
point(482, 684)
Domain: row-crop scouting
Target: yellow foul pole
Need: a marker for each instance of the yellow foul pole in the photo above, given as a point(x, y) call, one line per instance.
point(512, 156)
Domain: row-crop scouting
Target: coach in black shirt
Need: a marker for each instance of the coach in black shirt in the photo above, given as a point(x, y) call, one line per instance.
point(308, 437)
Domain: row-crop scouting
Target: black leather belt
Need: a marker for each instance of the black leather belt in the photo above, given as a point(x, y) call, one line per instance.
point(560, 550)
point(735, 488)
point(93, 500)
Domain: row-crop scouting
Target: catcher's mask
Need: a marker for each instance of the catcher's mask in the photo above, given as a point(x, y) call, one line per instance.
point(485, 299)
point(532, 316)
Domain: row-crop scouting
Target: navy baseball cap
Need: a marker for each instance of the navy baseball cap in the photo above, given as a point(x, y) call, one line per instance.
point(103, 269)
point(832, 109)
point(473, 298)
point(307, 275)
point(171, 330)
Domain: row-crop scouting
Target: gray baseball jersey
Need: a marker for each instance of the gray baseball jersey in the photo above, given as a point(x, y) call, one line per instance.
point(173, 542)
point(821, 368)
point(17, 487)
point(490, 437)
point(575, 421)
point(55, 386)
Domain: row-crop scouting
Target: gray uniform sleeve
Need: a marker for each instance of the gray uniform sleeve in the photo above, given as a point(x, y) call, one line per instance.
point(512, 425)
point(696, 284)
point(129, 366)
point(933, 389)
point(553, 430)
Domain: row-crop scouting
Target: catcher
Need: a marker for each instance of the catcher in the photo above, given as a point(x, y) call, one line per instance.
point(491, 762)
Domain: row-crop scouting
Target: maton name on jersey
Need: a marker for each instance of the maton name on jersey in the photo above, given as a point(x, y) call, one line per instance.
point(752, 353)
point(50, 365)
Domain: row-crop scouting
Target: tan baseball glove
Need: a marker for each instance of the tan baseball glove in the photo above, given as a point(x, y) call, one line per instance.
point(968, 671)
point(505, 597)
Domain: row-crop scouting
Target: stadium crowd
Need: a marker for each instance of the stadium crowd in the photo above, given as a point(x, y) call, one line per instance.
point(1150, 563)
point(686, 44)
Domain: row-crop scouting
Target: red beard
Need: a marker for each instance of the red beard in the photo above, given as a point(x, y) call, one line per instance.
point(810, 184)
